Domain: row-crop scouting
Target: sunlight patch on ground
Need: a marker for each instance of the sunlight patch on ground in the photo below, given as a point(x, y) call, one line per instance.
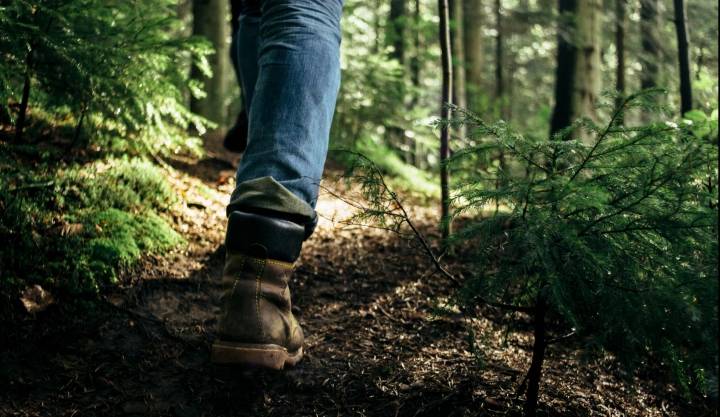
point(332, 211)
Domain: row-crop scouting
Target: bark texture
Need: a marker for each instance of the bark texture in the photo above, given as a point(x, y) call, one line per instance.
point(686, 100)
point(578, 78)
point(444, 113)
point(650, 43)
point(472, 40)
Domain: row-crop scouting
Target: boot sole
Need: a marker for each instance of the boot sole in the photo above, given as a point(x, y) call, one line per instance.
point(254, 355)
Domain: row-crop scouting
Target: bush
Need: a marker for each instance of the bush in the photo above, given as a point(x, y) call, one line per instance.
point(616, 237)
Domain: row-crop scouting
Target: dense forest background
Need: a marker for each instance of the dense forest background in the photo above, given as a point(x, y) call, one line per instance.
point(566, 152)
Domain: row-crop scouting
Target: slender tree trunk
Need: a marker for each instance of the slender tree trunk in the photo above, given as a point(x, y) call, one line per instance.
point(577, 83)
point(686, 101)
point(417, 49)
point(395, 136)
point(473, 51)
point(447, 79)
point(210, 21)
point(459, 94)
point(534, 374)
point(500, 98)
point(415, 77)
point(458, 50)
point(620, 23)
point(499, 49)
point(22, 115)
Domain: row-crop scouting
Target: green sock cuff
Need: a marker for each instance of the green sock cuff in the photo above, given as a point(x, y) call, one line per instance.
point(266, 194)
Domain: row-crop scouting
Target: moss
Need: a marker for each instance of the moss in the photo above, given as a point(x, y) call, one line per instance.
point(114, 209)
point(121, 238)
point(118, 183)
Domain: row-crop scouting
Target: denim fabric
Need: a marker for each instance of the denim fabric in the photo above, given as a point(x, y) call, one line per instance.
point(287, 56)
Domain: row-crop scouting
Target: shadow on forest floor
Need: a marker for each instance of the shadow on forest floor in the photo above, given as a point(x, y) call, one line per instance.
point(374, 346)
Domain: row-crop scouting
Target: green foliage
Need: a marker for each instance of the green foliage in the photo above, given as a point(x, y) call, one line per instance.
point(379, 104)
point(618, 233)
point(400, 174)
point(113, 65)
point(124, 184)
point(75, 229)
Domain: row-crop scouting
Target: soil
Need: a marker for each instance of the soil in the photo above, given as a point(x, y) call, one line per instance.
point(375, 343)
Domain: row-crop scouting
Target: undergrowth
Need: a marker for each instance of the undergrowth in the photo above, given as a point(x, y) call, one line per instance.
point(74, 229)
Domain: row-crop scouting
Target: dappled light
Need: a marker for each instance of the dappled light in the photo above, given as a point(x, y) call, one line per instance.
point(219, 208)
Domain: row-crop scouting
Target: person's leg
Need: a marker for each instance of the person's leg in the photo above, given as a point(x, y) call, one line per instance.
point(243, 53)
point(290, 108)
point(246, 47)
point(291, 105)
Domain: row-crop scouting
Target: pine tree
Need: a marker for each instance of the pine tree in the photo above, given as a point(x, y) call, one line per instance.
point(118, 61)
point(615, 237)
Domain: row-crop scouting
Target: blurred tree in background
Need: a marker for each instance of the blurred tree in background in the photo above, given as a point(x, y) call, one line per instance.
point(109, 66)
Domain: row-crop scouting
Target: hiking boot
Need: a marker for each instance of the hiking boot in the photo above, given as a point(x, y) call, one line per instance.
point(257, 327)
point(236, 138)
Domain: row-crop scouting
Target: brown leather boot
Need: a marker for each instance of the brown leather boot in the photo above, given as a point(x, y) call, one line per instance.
point(257, 327)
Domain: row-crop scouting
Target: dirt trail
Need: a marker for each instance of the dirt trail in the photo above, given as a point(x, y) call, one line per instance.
point(374, 346)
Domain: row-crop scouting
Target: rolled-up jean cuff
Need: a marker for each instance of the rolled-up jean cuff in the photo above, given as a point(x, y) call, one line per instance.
point(265, 196)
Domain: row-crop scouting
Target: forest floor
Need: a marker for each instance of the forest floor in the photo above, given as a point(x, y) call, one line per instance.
point(375, 347)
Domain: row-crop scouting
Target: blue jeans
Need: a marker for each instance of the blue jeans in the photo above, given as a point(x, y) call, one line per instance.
point(287, 56)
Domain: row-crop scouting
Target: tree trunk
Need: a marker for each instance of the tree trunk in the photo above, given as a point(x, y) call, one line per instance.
point(395, 135)
point(577, 82)
point(534, 374)
point(499, 70)
point(686, 102)
point(210, 21)
point(396, 29)
point(415, 79)
point(650, 42)
point(459, 94)
point(417, 46)
point(458, 50)
point(620, 22)
point(472, 41)
point(500, 98)
point(565, 68)
point(444, 113)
